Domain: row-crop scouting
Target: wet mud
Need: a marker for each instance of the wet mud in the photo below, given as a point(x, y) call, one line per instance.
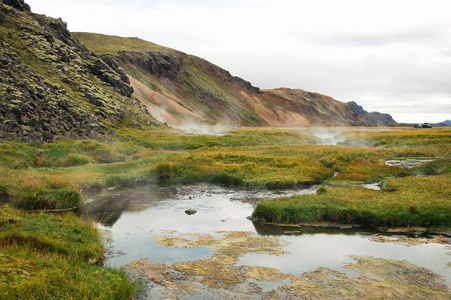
point(220, 276)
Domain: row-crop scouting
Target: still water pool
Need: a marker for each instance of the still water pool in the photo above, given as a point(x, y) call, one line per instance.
point(134, 216)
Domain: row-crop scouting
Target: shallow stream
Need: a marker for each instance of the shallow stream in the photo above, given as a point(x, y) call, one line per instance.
point(135, 216)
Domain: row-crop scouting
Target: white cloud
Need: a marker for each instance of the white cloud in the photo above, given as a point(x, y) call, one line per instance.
point(374, 52)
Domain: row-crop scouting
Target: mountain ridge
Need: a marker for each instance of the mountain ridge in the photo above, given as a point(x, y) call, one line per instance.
point(56, 83)
point(238, 100)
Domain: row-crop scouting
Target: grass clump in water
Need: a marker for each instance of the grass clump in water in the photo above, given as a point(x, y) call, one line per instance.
point(403, 202)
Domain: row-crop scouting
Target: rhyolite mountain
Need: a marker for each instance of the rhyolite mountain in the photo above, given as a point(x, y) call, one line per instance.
point(177, 87)
point(82, 85)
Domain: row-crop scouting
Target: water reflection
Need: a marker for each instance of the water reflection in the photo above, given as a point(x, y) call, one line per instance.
point(136, 215)
point(273, 230)
point(106, 206)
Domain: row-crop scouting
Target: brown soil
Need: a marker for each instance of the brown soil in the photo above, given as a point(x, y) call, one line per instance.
point(162, 105)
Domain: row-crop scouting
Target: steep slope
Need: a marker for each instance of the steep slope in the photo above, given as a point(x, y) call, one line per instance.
point(177, 87)
point(373, 117)
point(51, 85)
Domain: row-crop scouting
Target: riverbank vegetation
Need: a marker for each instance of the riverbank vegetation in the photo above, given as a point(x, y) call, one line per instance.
point(54, 176)
point(402, 202)
point(44, 256)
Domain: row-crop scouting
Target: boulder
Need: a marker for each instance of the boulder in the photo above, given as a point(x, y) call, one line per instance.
point(190, 211)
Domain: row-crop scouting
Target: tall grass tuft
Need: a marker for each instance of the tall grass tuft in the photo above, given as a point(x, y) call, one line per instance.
point(166, 171)
point(47, 193)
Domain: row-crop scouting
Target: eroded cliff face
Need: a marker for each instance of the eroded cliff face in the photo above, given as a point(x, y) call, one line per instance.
point(373, 118)
point(178, 88)
point(52, 85)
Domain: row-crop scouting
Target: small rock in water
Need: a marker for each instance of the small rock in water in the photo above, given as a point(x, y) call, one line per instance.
point(190, 211)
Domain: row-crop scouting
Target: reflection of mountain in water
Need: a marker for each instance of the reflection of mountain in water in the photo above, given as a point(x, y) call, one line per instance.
point(109, 209)
point(107, 206)
point(280, 230)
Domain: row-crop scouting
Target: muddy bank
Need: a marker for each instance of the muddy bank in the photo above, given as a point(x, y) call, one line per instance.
point(220, 276)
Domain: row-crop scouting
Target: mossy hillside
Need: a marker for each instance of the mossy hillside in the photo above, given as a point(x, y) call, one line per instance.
point(18, 155)
point(108, 44)
point(201, 87)
point(220, 92)
point(54, 86)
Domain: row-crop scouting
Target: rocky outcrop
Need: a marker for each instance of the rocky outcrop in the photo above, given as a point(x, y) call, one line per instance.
point(108, 70)
point(34, 109)
point(371, 118)
point(17, 4)
point(156, 63)
point(51, 85)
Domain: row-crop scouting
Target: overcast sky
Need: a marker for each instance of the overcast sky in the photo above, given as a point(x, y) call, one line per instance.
point(390, 56)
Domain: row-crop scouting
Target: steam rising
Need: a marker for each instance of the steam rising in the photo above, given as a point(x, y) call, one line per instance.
point(328, 136)
point(203, 129)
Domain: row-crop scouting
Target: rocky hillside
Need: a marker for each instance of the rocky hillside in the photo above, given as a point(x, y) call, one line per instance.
point(178, 88)
point(52, 85)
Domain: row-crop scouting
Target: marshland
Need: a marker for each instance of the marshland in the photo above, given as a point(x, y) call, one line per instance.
point(279, 213)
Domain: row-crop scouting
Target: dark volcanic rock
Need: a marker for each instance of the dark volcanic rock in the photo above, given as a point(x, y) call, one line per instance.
point(373, 118)
point(46, 89)
point(190, 211)
point(157, 63)
point(17, 4)
point(109, 71)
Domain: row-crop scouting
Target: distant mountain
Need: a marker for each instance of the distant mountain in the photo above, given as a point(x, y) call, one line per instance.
point(177, 87)
point(444, 123)
point(373, 117)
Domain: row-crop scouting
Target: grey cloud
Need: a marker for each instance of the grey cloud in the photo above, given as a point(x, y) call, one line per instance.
point(444, 53)
point(425, 35)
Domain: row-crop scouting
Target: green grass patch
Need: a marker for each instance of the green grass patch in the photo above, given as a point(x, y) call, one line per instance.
point(46, 193)
point(17, 155)
point(68, 153)
point(403, 202)
point(45, 256)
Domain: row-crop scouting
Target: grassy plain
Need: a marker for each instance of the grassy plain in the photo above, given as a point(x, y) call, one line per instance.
point(54, 176)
